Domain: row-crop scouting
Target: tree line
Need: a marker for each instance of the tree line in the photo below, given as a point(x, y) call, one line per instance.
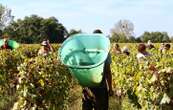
point(34, 29)
point(155, 37)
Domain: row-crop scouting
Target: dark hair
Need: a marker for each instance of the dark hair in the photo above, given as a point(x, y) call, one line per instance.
point(127, 53)
point(117, 45)
point(97, 31)
point(168, 46)
point(141, 47)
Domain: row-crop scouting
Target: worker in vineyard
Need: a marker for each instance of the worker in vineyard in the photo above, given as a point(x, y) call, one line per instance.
point(161, 47)
point(125, 50)
point(164, 48)
point(45, 49)
point(142, 53)
point(6, 43)
point(97, 97)
point(167, 47)
point(150, 44)
point(117, 49)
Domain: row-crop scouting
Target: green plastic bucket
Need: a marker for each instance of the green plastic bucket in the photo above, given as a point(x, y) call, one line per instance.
point(85, 55)
point(11, 43)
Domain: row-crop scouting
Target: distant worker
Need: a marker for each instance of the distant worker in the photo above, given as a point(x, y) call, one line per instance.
point(117, 49)
point(125, 50)
point(164, 48)
point(150, 44)
point(45, 49)
point(6, 43)
point(142, 53)
point(167, 47)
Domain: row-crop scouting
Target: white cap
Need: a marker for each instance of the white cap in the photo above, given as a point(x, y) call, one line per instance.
point(44, 43)
point(149, 41)
point(125, 49)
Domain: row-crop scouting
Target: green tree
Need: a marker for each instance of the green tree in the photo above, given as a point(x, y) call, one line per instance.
point(34, 29)
point(73, 31)
point(171, 39)
point(138, 39)
point(115, 37)
point(155, 37)
point(121, 38)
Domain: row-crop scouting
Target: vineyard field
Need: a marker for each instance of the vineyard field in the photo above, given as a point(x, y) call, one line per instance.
point(31, 82)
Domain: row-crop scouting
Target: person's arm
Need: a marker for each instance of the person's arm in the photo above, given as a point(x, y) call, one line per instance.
point(39, 52)
point(109, 75)
point(109, 79)
point(49, 45)
point(51, 48)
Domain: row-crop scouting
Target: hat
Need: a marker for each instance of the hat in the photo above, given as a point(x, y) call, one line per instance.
point(44, 43)
point(149, 41)
point(125, 49)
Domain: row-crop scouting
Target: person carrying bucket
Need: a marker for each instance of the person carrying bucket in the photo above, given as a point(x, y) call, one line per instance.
point(6, 43)
point(98, 97)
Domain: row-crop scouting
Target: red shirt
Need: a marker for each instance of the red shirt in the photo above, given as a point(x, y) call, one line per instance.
point(6, 46)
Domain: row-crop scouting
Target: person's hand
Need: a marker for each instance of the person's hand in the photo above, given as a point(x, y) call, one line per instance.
point(111, 92)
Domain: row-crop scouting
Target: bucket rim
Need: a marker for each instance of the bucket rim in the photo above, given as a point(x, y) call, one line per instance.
point(78, 66)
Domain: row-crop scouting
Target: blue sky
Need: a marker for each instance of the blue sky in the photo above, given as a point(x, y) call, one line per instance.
point(146, 15)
